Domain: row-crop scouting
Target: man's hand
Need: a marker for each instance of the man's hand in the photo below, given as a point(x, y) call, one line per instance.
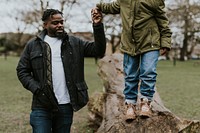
point(163, 51)
point(96, 15)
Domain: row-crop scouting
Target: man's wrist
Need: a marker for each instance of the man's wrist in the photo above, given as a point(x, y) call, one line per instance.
point(96, 24)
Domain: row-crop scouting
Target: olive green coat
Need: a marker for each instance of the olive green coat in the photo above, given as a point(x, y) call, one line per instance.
point(144, 24)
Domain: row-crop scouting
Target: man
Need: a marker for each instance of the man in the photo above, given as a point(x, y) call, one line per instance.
point(52, 68)
point(145, 32)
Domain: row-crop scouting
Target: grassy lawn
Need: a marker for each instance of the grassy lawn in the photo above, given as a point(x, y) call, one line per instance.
point(178, 86)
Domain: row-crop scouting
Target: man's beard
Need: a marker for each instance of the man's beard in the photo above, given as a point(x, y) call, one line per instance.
point(60, 35)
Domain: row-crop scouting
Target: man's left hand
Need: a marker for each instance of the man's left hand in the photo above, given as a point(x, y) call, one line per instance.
point(96, 15)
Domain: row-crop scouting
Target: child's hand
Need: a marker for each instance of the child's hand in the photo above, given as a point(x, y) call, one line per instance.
point(163, 51)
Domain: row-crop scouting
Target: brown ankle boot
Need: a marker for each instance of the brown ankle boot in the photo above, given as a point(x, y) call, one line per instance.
point(130, 112)
point(145, 109)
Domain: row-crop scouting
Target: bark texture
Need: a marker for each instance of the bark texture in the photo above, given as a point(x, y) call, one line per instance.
point(106, 110)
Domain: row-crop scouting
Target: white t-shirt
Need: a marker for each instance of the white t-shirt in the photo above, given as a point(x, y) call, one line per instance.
point(58, 75)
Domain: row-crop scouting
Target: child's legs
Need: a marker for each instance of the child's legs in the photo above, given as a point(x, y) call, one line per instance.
point(131, 70)
point(148, 73)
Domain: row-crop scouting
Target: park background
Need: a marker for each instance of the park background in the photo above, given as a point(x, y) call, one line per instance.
point(178, 80)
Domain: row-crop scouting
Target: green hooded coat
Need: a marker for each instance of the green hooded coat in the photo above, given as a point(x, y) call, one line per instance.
point(144, 24)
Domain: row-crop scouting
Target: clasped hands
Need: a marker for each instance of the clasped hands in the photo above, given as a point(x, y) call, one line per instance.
point(97, 16)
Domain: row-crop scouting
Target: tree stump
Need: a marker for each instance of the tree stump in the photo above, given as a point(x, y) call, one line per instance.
point(106, 110)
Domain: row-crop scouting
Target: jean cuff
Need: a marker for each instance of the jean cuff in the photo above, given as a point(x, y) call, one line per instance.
point(129, 101)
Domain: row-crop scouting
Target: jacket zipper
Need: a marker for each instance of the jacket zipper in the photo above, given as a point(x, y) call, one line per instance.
point(52, 99)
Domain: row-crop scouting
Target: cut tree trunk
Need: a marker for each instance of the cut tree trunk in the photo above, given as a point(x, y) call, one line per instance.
point(106, 110)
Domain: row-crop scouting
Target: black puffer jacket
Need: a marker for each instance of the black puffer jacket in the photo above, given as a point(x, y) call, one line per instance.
point(31, 69)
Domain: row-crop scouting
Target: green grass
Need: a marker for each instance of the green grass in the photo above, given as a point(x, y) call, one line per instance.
point(178, 86)
point(14, 100)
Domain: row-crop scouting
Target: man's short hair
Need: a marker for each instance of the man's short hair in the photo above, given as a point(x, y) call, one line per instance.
point(49, 12)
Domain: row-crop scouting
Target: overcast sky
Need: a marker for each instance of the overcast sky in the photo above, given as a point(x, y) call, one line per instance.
point(8, 7)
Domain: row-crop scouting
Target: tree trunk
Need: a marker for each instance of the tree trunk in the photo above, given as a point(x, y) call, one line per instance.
point(106, 110)
point(185, 40)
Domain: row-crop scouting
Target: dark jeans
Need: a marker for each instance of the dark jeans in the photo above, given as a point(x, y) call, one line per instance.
point(45, 121)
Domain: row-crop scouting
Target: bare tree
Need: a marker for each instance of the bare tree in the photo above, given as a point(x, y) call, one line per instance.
point(184, 15)
point(113, 30)
point(25, 20)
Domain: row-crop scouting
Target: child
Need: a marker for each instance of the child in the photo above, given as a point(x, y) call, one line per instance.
point(145, 32)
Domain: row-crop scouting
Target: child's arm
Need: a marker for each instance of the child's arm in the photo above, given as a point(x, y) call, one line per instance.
point(163, 24)
point(109, 8)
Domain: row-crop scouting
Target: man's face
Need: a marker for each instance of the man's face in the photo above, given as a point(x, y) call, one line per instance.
point(54, 25)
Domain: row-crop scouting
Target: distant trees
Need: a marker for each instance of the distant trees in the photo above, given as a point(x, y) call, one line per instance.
point(184, 17)
point(184, 20)
point(113, 30)
point(14, 42)
point(28, 21)
point(32, 17)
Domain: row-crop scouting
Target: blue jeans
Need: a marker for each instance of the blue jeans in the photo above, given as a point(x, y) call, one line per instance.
point(141, 67)
point(45, 121)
